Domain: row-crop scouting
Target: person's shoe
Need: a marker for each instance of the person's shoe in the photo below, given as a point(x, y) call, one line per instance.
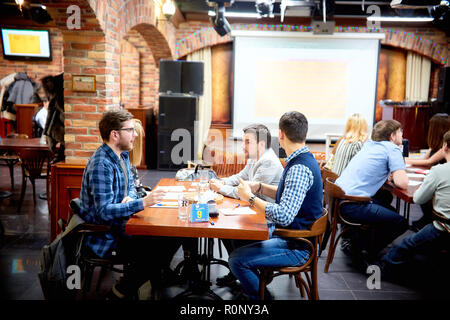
point(115, 295)
point(226, 281)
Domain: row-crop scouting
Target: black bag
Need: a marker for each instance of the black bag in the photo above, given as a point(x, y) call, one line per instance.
point(193, 174)
point(55, 258)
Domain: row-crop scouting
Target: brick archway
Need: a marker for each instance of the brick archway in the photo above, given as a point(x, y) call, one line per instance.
point(203, 35)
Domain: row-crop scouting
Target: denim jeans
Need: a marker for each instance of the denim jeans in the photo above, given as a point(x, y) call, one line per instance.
point(387, 223)
point(276, 252)
point(427, 238)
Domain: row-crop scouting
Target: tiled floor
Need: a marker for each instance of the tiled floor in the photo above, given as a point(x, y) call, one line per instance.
point(28, 231)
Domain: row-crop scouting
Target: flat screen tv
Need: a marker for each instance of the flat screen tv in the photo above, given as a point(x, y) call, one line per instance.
point(21, 44)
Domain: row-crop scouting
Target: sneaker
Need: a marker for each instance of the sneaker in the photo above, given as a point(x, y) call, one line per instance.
point(115, 295)
point(226, 281)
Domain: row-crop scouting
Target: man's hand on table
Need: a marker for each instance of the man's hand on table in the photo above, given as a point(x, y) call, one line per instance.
point(244, 190)
point(215, 184)
point(153, 197)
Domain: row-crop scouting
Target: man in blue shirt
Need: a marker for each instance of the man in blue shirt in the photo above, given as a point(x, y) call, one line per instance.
point(298, 203)
point(108, 197)
point(379, 159)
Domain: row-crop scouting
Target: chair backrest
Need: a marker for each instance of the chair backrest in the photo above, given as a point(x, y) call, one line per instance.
point(332, 189)
point(17, 136)
point(34, 159)
point(320, 225)
point(227, 163)
point(327, 173)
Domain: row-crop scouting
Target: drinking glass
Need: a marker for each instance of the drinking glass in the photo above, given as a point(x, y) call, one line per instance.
point(183, 206)
point(204, 180)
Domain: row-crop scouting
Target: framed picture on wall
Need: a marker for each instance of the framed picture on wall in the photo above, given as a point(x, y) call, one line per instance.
point(83, 83)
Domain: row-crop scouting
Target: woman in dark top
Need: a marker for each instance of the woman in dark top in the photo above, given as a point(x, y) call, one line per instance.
point(439, 124)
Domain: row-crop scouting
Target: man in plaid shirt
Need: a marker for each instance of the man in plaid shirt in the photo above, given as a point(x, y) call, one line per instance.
point(298, 203)
point(108, 197)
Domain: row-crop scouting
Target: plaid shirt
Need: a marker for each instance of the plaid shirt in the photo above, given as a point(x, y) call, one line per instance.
point(102, 192)
point(298, 181)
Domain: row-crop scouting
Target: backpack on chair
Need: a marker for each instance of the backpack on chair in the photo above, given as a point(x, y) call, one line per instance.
point(56, 257)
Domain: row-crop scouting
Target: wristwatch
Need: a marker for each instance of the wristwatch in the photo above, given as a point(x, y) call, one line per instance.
point(251, 200)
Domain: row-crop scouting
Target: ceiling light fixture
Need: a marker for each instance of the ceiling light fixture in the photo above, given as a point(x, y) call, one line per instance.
point(20, 4)
point(232, 14)
point(168, 9)
point(400, 19)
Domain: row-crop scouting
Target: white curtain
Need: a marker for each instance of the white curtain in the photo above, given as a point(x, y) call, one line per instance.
point(418, 71)
point(205, 101)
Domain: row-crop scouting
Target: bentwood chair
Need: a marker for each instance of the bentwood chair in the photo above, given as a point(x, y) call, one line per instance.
point(35, 165)
point(336, 199)
point(312, 238)
point(87, 260)
point(326, 173)
point(10, 159)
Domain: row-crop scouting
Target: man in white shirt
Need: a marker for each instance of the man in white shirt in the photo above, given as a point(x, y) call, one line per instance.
point(436, 234)
point(263, 166)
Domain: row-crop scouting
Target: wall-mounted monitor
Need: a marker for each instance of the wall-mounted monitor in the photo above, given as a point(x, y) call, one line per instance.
point(21, 44)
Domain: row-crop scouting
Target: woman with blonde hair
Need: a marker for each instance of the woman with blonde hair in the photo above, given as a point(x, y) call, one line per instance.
point(439, 125)
point(355, 134)
point(135, 158)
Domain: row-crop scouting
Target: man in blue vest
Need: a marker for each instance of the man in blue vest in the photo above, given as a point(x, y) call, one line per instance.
point(298, 203)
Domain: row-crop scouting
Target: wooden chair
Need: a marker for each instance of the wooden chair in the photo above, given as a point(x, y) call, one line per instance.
point(87, 260)
point(35, 165)
point(439, 217)
point(227, 163)
point(336, 198)
point(309, 269)
point(10, 159)
point(3, 195)
point(326, 173)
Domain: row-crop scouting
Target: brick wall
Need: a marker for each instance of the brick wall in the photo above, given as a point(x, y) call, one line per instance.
point(129, 75)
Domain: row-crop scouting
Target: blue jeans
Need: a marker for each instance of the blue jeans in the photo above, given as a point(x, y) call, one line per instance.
point(387, 223)
point(276, 252)
point(427, 238)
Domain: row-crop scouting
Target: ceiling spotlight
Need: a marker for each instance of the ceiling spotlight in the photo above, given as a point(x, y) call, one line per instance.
point(219, 21)
point(264, 8)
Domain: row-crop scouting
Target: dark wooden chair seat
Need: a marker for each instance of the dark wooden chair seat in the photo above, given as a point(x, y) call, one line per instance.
point(35, 165)
point(10, 159)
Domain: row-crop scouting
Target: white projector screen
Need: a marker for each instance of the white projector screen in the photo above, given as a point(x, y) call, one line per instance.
point(327, 78)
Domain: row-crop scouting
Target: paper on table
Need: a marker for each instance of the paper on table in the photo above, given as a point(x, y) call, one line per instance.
point(237, 211)
point(414, 182)
point(167, 204)
point(171, 196)
point(415, 175)
point(171, 188)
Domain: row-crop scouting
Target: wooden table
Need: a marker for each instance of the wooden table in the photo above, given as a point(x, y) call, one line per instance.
point(164, 222)
point(406, 195)
point(18, 144)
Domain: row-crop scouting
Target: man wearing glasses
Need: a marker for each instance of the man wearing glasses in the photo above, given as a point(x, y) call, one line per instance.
point(108, 197)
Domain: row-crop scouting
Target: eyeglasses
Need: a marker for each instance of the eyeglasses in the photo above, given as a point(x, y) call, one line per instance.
point(130, 130)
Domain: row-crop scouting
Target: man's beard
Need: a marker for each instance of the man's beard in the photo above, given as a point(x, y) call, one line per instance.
point(125, 146)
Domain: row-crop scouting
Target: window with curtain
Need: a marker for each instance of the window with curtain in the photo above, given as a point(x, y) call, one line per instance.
point(418, 70)
point(205, 101)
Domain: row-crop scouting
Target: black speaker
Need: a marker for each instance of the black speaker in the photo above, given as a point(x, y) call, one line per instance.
point(174, 155)
point(192, 77)
point(170, 76)
point(176, 112)
point(443, 92)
